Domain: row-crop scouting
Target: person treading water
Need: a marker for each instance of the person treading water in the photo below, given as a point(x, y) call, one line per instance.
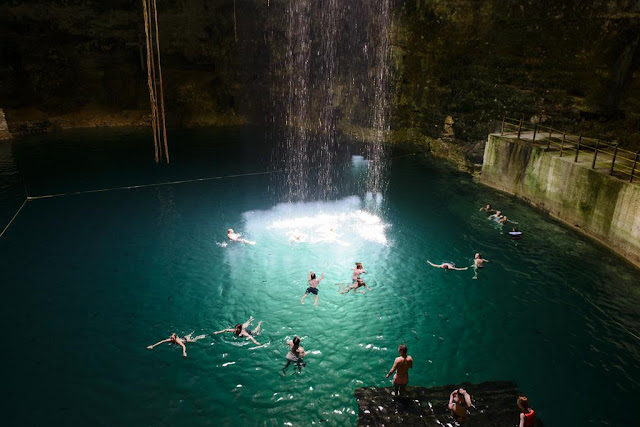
point(235, 237)
point(241, 330)
point(295, 355)
point(447, 266)
point(174, 338)
point(478, 262)
point(313, 287)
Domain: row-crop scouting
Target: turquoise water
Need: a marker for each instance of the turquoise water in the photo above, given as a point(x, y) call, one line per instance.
point(91, 279)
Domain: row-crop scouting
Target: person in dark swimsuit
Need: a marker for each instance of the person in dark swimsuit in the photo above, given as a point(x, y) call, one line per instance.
point(295, 355)
point(241, 330)
point(313, 287)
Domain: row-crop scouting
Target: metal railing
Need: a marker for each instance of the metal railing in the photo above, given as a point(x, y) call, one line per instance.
point(622, 163)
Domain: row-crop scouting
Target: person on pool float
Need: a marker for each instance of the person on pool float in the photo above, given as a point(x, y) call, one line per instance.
point(295, 355)
point(527, 415)
point(235, 237)
point(459, 401)
point(313, 287)
point(180, 341)
point(355, 285)
point(401, 368)
point(241, 330)
point(447, 266)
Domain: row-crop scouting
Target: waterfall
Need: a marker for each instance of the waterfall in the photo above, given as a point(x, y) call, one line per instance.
point(335, 68)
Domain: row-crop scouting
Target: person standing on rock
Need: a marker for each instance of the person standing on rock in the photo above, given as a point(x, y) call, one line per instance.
point(401, 368)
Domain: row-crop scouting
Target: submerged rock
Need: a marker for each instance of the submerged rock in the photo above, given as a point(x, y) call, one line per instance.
point(494, 404)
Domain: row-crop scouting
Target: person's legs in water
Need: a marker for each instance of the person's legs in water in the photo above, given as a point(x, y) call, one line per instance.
point(286, 365)
point(256, 331)
point(246, 324)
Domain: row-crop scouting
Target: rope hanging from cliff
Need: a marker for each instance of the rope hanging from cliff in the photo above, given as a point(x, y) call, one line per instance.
point(150, 11)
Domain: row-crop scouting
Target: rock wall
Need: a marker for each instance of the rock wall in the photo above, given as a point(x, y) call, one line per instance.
point(494, 405)
point(603, 207)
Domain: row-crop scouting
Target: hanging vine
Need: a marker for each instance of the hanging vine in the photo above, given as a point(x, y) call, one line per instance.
point(150, 12)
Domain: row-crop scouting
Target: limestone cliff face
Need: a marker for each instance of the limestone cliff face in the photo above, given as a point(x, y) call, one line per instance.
point(70, 63)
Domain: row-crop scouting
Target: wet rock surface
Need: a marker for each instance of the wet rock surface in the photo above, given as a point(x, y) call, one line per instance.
point(494, 404)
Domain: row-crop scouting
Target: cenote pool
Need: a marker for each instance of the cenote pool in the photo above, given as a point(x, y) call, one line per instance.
point(89, 280)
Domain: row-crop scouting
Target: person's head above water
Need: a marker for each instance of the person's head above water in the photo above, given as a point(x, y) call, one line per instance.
point(359, 265)
point(229, 231)
point(523, 403)
point(296, 343)
point(402, 349)
point(488, 207)
point(312, 275)
point(477, 255)
point(238, 330)
point(173, 337)
point(445, 266)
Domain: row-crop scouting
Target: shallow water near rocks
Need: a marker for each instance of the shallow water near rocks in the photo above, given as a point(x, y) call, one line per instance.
point(91, 279)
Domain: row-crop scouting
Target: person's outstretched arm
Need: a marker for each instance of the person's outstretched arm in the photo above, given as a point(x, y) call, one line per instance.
point(158, 343)
point(432, 264)
point(224, 330)
point(321, 277)
point(184, 348)
point(458, 268)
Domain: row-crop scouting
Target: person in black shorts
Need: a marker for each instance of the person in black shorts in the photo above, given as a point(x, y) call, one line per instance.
point(313, 287)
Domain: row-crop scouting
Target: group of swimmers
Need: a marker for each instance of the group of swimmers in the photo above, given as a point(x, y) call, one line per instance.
point(497, 216)
point(459, 399)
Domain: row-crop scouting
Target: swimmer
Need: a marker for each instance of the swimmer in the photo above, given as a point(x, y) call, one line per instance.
point(235, 237)
point(487, 208)
point(447, 266)
point(241, 330)
point(515, 234)
point(503, 220)
point(357, 284)
point(527, 415)
point(459, 401)
point(313, 287)
point(357, 272)
point(478, 262)
point(180, 341)
point(496, 216)
point(401, 368)
point(295, 355)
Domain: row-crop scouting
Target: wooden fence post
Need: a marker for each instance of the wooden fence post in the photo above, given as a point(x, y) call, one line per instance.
point(520, 128)
point(613, 161)
point(595, 154)
point(564, 134)
point(535, 131)
point(578, 149)
point(502, 129)
point(635, 162)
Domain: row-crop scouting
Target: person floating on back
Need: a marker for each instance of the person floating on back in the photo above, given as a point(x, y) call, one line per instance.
point(446, 266)
point(235, 237)
point(401, 368)
point(241, 330)
point(527, 416)
point(459, 402)
point(478, 262)
point(295, 355)
point(180, 341)
point(313, 287)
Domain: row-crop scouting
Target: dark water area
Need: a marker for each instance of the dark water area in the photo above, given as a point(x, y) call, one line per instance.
point(90, 280)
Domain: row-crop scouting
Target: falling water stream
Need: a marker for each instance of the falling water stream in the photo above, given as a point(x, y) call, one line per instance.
point(336, 69)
